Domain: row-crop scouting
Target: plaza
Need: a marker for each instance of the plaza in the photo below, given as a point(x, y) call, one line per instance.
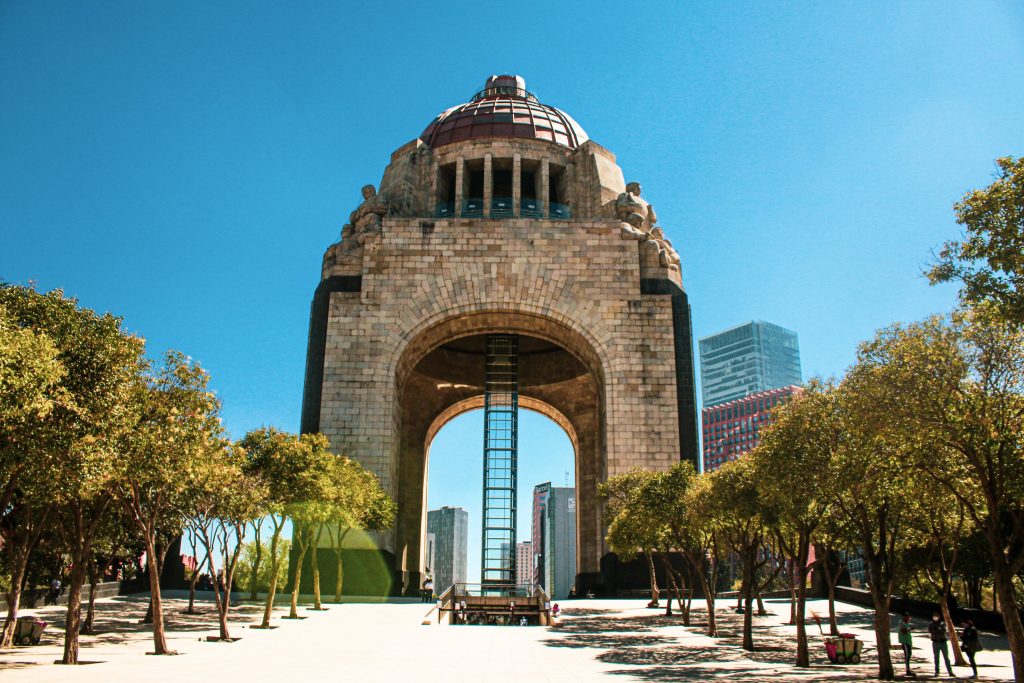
point(610, 640)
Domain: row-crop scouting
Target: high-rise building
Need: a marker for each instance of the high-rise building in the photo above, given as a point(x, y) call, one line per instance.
point(749, 358)
point(540, 500)
point(733, 428)
point(429, 546)
point(524, 562)
point(555, 534)
point(450, 527)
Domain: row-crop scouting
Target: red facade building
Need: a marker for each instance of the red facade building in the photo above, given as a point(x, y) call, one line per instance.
point(733, 428)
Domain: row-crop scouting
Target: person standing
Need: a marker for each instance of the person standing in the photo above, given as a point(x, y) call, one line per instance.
point(428, 590)
point(940, 642)
point(906, 639)
point(971, 644)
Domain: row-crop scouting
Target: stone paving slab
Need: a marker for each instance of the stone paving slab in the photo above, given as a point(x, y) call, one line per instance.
point(611, 640)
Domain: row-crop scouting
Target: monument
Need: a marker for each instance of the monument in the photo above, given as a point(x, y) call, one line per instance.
point(502, 232)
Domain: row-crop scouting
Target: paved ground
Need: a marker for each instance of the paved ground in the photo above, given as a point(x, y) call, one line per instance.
point(611, 640)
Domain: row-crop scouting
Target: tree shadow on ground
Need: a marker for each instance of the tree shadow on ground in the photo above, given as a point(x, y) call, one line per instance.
point(745, 675)
point(605, 641)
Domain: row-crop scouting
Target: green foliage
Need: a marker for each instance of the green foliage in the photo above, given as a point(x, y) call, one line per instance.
point(989, 259)
point(248, 557)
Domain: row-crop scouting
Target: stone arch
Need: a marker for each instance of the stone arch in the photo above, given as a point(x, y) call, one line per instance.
point(423, 404)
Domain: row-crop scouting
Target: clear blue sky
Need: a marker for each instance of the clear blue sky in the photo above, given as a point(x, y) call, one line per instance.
point(185, 164)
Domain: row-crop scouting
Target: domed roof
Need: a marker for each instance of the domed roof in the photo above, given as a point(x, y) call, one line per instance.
point(504, 109)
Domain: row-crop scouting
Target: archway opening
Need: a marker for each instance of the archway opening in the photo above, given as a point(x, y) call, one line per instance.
point(547, 460)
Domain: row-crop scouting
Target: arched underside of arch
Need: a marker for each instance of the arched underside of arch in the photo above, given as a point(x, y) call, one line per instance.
point(558, 379)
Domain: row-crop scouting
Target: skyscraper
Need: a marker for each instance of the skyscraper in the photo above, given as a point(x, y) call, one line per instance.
point(524, 562)
point(745, 359)
point(555, 525)
point(450, 527)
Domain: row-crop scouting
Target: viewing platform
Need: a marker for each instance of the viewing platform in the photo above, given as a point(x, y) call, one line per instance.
point(494, 605)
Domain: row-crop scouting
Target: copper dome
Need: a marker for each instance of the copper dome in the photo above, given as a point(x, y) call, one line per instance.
point(504, 109)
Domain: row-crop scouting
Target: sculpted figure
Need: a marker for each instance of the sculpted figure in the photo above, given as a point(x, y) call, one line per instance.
point(667, 256)
point(630, 202)
point(367, 217)
point(633, 226)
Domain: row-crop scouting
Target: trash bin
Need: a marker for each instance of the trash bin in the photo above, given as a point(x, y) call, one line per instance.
point(28, 630)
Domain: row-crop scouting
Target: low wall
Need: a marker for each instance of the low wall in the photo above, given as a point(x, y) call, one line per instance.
point(36, 597)
point(986, 620)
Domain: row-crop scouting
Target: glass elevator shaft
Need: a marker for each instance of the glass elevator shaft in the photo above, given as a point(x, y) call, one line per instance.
point(501, 450)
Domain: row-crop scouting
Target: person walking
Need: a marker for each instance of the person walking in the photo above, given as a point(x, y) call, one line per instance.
point(906, 639)
point(940, 643)
point(971, 644)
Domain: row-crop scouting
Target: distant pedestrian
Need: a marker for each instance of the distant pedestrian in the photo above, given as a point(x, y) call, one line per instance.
point(51, 599)
point(555, 611)
point(906, 638)
point(428, 590)
point(971, 644)
point(940, 642)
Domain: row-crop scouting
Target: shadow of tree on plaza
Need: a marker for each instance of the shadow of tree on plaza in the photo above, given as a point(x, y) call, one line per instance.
point(732, 673)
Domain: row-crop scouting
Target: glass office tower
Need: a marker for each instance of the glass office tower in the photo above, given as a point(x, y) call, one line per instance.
point(752, 357)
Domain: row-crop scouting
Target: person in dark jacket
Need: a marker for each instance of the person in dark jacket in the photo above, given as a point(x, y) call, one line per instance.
point(940, 642)
point(970, 644)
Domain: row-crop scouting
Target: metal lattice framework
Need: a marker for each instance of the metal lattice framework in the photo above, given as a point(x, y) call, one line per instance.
point(501, 450)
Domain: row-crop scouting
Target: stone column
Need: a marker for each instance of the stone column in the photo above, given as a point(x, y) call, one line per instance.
point(460, 176)
point(545, 185)
point(435, 197)
point(517, 190)
point(488, 185)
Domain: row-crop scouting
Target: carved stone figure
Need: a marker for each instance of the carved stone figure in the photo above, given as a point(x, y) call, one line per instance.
point(633, 227)
point(367, 218)
point(667, 256)
point(630, 202)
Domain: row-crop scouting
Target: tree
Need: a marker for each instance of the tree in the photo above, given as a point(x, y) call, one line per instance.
point(989, 260)
point(77, 443)
point(959, 384)
point(31, 376)
point(629, 533)
point(793, 472)
point(360, 503)
point(293, 470)
point(231, 500)
point(177, 431)
point(312, 510)
point(678, 500)
point(247, 559)
point(874, 488)
point(736, 507)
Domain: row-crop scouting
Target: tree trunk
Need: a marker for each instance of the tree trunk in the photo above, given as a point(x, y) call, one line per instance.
point(653, 575)
point(317, 604)
point(298, 537)
point(19, 564)
point(833, 622)
point(20, 548)
point(803, 657)
point(792, 593)
point(192, 590)
point(748, 622)
point(672, 584)
point(747, 596)
point(155, 599)
point(339, 578)
point(883, 641)
point(274, 567)
point(73, 618)
point(1003, 580)
point(254, 578)
point(709, 593)
point(94, 581)
point(958, 656)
